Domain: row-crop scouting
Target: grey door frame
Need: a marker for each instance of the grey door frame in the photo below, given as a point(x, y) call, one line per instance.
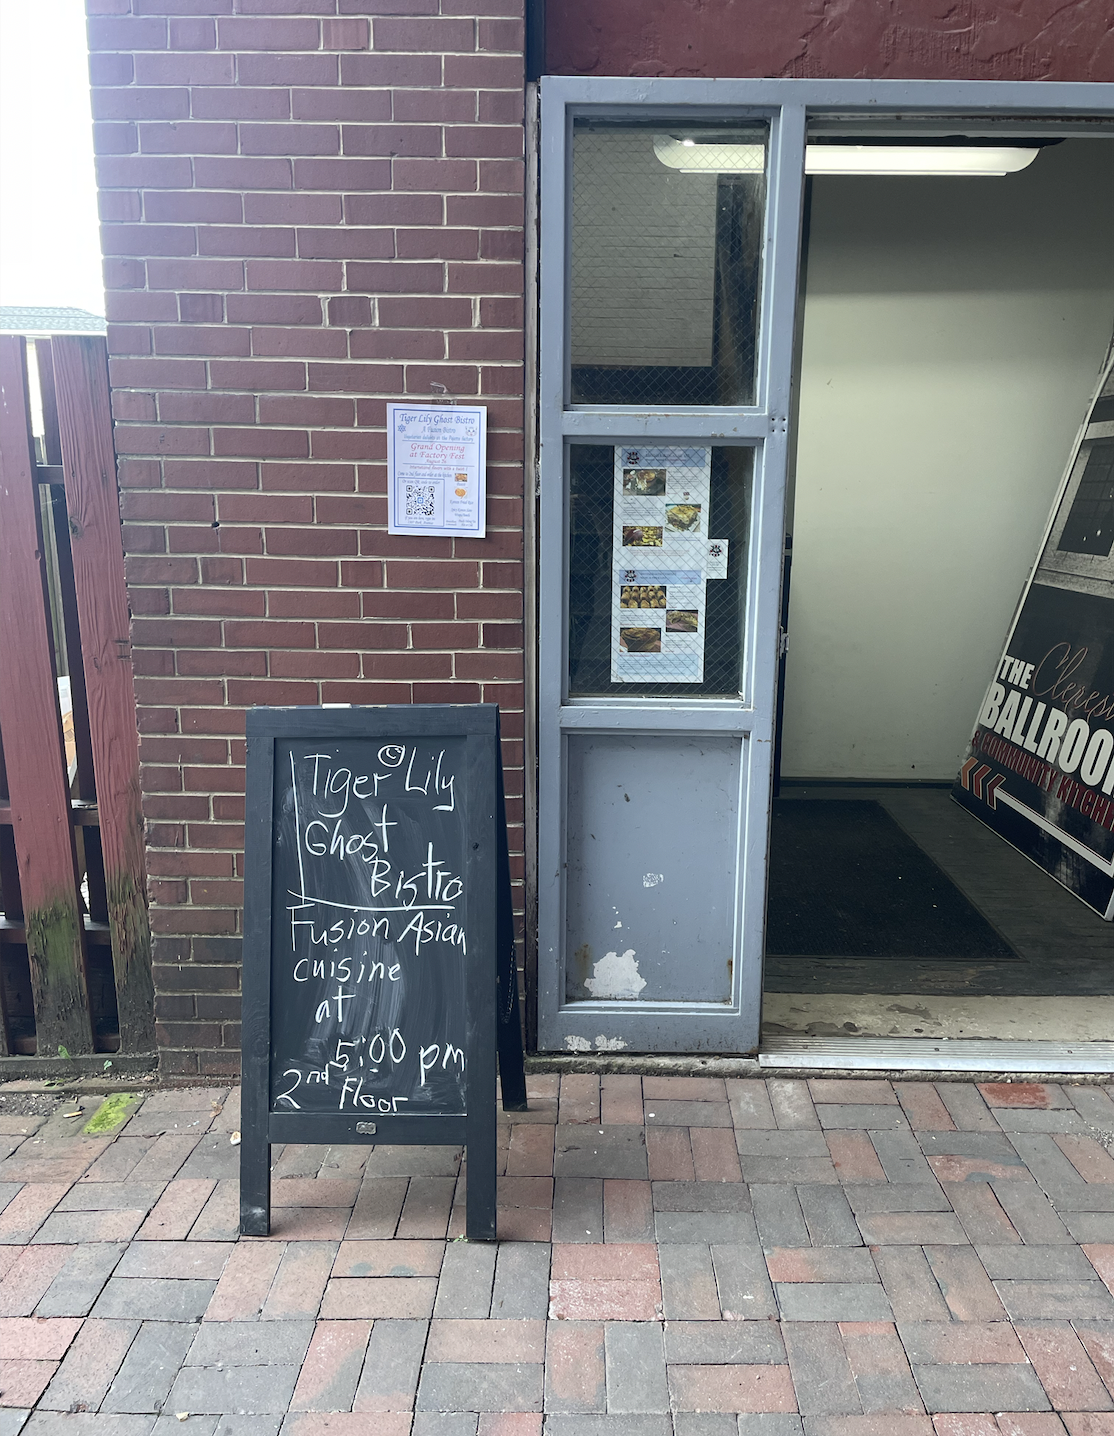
point(788, 105)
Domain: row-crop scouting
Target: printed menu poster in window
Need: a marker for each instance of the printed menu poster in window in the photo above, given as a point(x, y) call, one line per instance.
point(661, 556)
point(437, 470)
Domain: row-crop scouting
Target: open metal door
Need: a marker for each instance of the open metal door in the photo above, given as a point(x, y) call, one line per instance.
point(669, 254)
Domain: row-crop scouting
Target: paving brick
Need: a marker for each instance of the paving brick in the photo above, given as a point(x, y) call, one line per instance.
point(392, 1366)
point(634, 1262)
point(967, 1423)
point(102, 1226)
point(921, 1103)
point(577, 1209)
point(852, 1091)
point(335, 1423)
point(1088, 1197)
point(110, 1196)
point(764, 1423)
point(29, 1277)
point(669, 1154)
point(902, 1155)
point(711, 1343)
point(1056, 1300)
point(1101, 1257)
point(204, 1260)
point(378, 1208)
point(988, 1387)
point(966, 1107)
point(233, 1390)
point(77, 1286)
point(896, 1197)
point(50, 1423)
point(299, 1283)
point(980, 1213)
point(687, 1114)
point(1098, 1339)
point(154, 1299)
point(1061, 1362)
point(397, 1258)
point(700, 1197)
point(175, 1212)
point(787, 1170)
point(879, 1366)
point(635, 1364)
point(445, 1423)
point(600, 1425)
point(822, 1376)
point(331, 1370)
point(530, 1153)
point(250, 1343)
point(1030, 1423)
point(891, 1424)
point(467, 1275)
point(854, 1157)
point(745, 1289)
point(479, 1386)
point(910, 1285)
point(243, 1286)
point(1045, 1160)
point(412, 1162)
point(731, 1388)
point(386, 1296)
point(147, 1372)
point(778, 1216)
point(715, 1157)
point(832, 1301)
point(1054, 1263)
point(1088, 1423)
point(27, 1211)
point(1088, 1156)
point(89, 1366)
point(486, 1341)
point(1031, 1213)
point(1092, 1103)
point(580, 1098)
point(574, 1367)
point(23, 1381)
point(425, 1213)
point(510, 1423)
point(1090, 1227)
point(521, 1286)
point(688, 1283)
point(750, 1103)
point(943, 1343)
point(604, 1300)
point(591, 1151)
point(628, 1211)
point(620, 1100)
point(28, 1338)
point(164, 1158)
point(828, 1216)
point(875, 1118)
point(219, 1219)
point(791, 1103)
point(916, 1228)
point(705, 1227)
point(967, 1289)
point(1023, 1094)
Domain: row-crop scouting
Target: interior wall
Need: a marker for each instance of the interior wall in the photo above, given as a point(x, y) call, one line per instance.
point(953, 334)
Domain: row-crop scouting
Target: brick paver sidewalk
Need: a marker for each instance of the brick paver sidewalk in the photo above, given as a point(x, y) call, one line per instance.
point(678, 1257)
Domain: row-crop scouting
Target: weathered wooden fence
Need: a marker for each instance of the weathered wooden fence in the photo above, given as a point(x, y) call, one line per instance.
point(75, 961)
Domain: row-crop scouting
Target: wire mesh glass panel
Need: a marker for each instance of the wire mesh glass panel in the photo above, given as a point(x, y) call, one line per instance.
point(1090, 523)
point(657, 570)
point(667, 227)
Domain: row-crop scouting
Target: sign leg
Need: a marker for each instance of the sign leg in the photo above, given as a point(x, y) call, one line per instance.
point(255, 1181)
point(480, 1208)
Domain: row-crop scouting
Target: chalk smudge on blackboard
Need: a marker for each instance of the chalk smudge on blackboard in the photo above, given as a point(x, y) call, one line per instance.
point(368, 970)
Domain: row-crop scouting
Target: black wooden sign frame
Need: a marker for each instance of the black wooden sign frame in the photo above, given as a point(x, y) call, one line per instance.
point(491, 987)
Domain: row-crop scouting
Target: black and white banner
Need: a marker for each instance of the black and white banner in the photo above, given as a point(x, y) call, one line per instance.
point(1040, 768)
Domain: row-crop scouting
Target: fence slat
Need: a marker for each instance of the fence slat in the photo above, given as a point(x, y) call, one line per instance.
point(33, 750)
point(89, 460)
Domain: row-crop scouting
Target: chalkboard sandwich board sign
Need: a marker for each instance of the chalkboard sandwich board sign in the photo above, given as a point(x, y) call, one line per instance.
point(378, 972)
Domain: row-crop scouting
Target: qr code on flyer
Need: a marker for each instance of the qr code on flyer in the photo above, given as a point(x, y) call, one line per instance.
point(421, 501)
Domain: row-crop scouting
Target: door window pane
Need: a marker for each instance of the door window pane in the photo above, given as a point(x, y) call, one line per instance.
point(667, 226)
point(657, 570)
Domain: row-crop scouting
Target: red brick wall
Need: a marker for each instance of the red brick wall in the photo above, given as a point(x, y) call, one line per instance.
point(310, 207)
point(854, 39)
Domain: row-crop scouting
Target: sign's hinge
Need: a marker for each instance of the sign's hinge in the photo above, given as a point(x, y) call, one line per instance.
point(782, 642)
point(366, 1129)
point(538, 479)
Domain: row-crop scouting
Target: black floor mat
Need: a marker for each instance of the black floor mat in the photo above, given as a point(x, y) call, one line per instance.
point(846, 881)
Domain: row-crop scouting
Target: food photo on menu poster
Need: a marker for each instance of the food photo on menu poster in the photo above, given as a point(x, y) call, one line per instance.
point(663, 560)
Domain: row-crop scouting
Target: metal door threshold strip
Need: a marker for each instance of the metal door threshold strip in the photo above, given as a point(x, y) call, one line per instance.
point(934, 1054)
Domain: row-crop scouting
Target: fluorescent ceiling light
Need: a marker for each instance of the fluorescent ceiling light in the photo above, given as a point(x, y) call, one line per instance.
point(719, 157)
